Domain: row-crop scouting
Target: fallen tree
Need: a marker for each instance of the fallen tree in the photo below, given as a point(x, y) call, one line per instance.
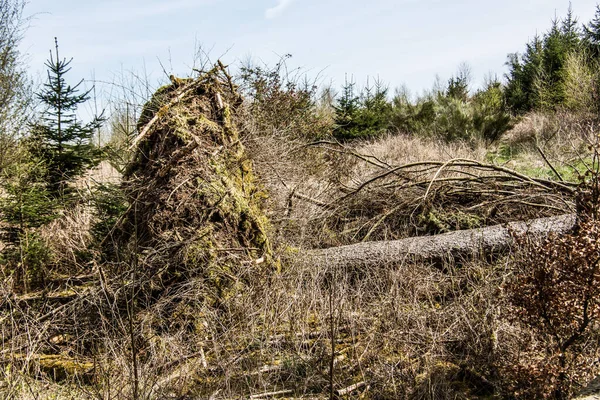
point(482, 241)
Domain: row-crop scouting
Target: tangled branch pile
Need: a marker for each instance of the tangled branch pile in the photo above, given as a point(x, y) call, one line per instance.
point(375, 199)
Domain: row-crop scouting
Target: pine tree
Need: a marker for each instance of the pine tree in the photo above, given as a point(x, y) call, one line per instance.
point(362, 116)
point(570, 30)
point(524, 71)
point(458, 86)
point(346, 112)
point(24, 206)
point(536, 80)
point(26, 202)
point(591, 34)
point(61, 140)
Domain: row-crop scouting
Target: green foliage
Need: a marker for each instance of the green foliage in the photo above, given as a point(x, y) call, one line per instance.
point(26, 202)
point(109, 204)
point(591, 34)
point(454, 115)
point(364, 115)
point(458, 86)
point(490, 118)
point(25, 205)
point(580, 83)
point(523, 73)
point(536, 79)
point(27, 262)
point(281, 102)
point(60, 139)
point(122, 127)
point(454, 119)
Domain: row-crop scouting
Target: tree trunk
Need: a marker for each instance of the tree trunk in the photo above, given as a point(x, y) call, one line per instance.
point(457, 245)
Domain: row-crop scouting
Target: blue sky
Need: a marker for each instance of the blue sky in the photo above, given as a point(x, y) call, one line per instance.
point(400, 41)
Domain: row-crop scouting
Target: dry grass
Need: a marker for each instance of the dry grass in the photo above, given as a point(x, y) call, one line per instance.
point(564, 139)
point(328, 194)
point(408, 332)
point(405, 149)
point(68, 237)
point(413, 331)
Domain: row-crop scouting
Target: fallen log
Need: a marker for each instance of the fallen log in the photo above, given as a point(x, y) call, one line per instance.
point(456, 245)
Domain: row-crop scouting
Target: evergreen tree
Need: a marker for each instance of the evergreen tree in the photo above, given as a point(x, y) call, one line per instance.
point(570, 29)
point(24, 206)
point(536, 80)
point(375, 113)
point(490, 118)
point(60, 139)
point(346, 112)
point(559, 42)
point(458, 86)
point(524, 70)
point(363, 116)
point(26, 202)
point(591, 34)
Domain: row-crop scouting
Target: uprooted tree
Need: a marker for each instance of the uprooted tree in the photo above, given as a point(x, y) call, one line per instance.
point(193, 199)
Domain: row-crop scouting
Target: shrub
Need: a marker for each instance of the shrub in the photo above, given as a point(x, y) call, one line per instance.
point(555, 295)
point(580, 82)
point(453, 120)
point(450, 117)
point(281, 102)
point(26, 202)
point(27, 262)
point(490, 119)
point(109, 204)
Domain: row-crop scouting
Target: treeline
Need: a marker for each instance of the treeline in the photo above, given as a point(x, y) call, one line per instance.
point(557, 70)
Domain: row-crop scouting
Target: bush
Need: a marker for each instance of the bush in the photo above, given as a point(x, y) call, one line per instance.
point(27, 262)
point(555, 297)
point(580, 82)
point(110, 203)
point(280, 102)
point(26, 202)
point(490, 119)
point(453, 116)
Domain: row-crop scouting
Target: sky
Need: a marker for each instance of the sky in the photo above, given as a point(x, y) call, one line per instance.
point(399, 42)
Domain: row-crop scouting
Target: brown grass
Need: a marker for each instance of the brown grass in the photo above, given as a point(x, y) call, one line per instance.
point(413, 331)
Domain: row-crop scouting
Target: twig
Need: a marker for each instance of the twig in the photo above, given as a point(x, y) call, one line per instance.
point(560, 178)
point(350, 388)
point(270, 394)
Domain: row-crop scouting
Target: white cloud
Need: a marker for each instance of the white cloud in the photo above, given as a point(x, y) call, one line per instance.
point(276, 11)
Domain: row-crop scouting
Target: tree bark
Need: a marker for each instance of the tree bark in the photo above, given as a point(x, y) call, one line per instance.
point(457, 245)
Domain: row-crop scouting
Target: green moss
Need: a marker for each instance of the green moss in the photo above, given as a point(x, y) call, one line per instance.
point(444, 221)
point(202, 250)
point(56, 366)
